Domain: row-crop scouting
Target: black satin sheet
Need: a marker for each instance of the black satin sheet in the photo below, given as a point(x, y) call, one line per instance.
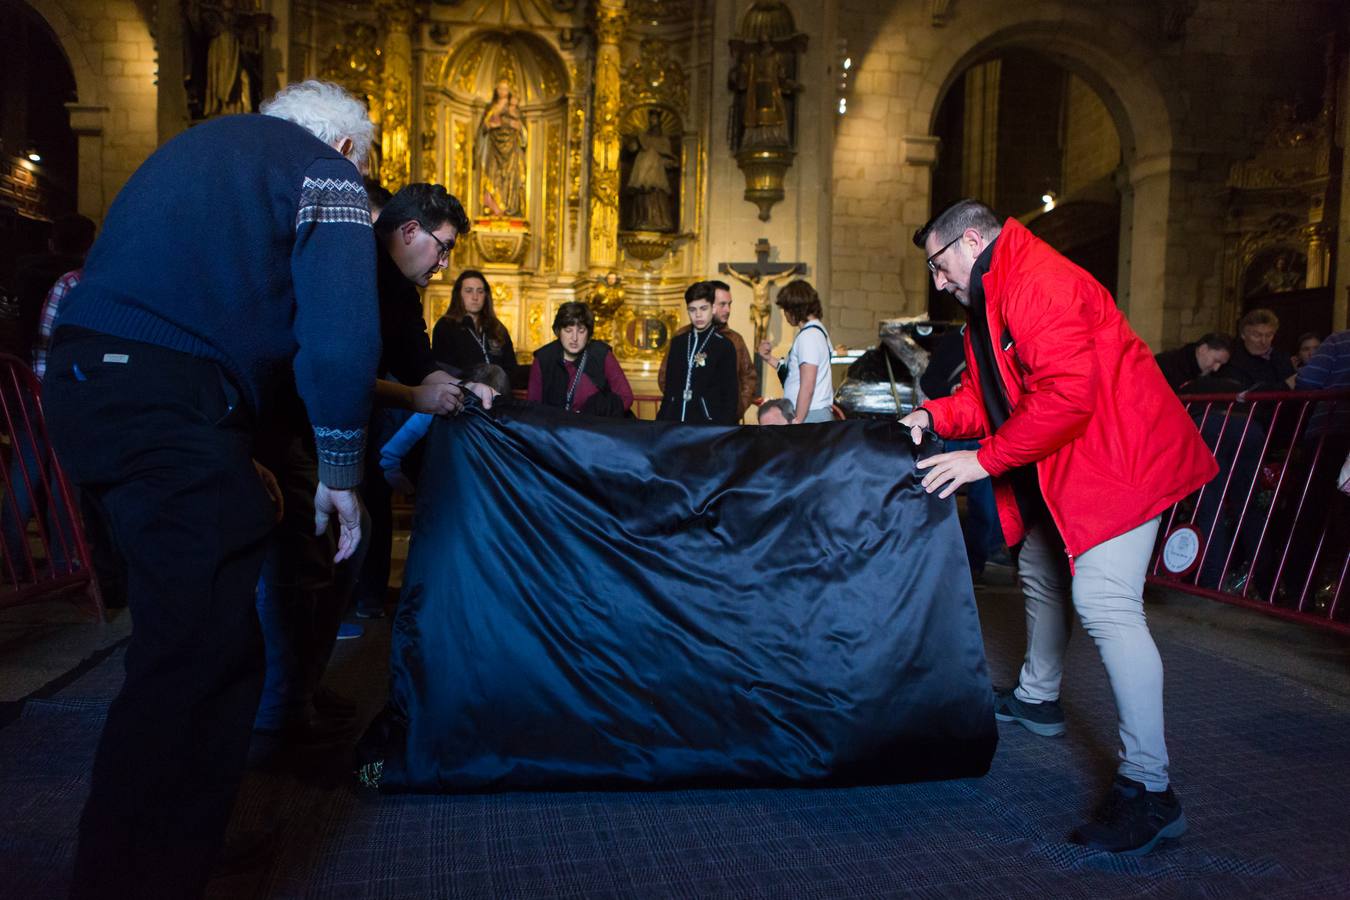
point(607, 604)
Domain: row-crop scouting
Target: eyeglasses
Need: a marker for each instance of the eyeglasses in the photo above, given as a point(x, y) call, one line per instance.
point(444, 246)
point(932, 266)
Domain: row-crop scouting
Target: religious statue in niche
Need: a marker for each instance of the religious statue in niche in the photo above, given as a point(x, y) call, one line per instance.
point(501, 154)
point(761, 78)
point(1275, 273)
point(223, 46)
point(651, 189)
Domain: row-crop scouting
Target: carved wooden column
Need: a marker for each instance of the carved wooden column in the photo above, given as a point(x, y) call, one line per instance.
point(396, 21)
point(611, 18)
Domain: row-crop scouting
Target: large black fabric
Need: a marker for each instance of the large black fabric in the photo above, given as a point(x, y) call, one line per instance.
point(592, 603)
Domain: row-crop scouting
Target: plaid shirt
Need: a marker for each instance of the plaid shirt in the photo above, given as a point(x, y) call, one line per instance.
point(50, 307)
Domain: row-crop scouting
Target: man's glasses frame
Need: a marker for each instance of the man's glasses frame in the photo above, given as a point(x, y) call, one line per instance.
point(443, 246)
point(932, 264)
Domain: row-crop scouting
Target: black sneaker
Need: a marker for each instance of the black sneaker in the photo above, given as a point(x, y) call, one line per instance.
point(1132, 820)
point(1045, 718)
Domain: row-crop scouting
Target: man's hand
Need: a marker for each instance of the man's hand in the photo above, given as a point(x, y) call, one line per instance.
point(952, 469)
point(484, 393)
point(916, 422)
point(273, 489)
point(347, 505)
point(439, 398)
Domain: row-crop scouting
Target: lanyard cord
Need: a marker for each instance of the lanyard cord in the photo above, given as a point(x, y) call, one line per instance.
point(576, 379)
point(692, 352)
point(480, 341)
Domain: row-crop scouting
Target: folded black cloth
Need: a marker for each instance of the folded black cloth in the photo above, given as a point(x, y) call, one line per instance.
point(601, 604)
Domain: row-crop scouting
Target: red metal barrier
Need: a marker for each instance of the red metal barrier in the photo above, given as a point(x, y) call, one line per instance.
point(1271, 531)
point(36, 493)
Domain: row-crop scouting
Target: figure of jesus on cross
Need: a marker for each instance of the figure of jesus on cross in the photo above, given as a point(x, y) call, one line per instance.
point(759, 276)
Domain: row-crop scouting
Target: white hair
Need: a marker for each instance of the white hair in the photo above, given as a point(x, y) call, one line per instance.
point(326, 111)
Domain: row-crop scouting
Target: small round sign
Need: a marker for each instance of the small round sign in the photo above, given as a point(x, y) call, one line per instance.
point(1181, 550)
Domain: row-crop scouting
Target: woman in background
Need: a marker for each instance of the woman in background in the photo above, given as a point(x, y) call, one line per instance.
point(470, 335)
point(805, 374)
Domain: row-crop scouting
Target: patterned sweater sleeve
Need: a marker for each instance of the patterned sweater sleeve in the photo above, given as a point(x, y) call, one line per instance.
point(336, 315)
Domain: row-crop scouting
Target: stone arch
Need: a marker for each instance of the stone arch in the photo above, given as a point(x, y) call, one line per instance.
point(1124, 72)
point(64, 32)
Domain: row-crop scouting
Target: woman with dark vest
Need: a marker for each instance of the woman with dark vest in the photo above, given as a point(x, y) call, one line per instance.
point(470, 335)
point(576, 373)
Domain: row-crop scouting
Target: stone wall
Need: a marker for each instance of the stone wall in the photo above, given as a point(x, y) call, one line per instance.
point(113, 57)
point(1186, 102)
point(1091, 145)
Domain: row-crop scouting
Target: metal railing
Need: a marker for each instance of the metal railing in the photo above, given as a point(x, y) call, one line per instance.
point(1271, 531)
point(43, 551)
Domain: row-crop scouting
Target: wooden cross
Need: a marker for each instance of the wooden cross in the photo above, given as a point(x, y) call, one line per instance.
point(760, 276)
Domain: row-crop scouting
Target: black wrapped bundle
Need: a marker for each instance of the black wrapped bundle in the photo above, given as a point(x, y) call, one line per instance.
point(601, 604)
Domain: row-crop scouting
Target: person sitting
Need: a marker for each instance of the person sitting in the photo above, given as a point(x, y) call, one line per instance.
point(1195, 360)
point(470, 334)
point(1308, 342)
point(576, 373)
point(395, 451)
point(1254, 363)
point(701, 382)
point(806, 371)
point(776, 412)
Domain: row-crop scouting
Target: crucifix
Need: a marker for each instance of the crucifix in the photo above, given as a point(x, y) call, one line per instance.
point(759, 276)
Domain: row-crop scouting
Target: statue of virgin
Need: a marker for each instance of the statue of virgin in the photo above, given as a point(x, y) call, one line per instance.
point(501, 154)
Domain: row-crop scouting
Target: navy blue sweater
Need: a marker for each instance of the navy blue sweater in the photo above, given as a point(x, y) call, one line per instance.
point(246, 240)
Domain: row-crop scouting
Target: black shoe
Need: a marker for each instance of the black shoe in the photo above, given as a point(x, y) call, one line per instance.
point(1045, 718)
point(370, 612)
point(1132, 820)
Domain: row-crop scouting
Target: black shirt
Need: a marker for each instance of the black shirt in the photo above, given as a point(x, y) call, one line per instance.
point(407, 350)
point(713, 385)
point(463, 347)
point(1258, 372)
point(1026, 486)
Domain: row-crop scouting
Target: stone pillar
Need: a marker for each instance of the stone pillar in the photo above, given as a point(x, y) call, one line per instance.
point(86, 121)
point(172, 102)
point(396, 21)
point(919, 153)
point(611, 18)
point(1142, 288)
point(979, 161)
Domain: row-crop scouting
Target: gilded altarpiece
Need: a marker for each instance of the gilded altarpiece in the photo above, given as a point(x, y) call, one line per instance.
point(509, 110)
point(1282, 220)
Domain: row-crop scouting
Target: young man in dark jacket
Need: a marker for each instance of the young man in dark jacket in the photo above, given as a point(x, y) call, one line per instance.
point(701, 380)
point(1194, 360)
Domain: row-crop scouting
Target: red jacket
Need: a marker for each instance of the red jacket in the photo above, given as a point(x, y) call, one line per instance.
point(1112, 445)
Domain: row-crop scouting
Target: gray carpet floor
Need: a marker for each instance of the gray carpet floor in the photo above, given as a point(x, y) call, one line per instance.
point(1258, 728)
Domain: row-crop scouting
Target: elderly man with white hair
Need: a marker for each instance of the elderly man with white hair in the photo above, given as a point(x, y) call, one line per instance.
point(239, 248)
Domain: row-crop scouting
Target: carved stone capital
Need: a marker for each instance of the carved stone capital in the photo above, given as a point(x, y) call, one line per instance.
point(920, 149)
point(86, 118)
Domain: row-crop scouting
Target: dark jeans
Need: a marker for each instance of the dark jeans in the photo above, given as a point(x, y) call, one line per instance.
point(161, 447)
point(302, 595)
point(980, 528)
point(372, 584)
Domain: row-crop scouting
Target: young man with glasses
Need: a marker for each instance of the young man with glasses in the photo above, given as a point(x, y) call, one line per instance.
point(1087, 446)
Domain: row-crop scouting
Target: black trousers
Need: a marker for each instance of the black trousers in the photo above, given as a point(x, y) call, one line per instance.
point(160, 443)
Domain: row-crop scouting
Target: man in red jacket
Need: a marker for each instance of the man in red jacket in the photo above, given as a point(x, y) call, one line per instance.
point(1087, 446)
